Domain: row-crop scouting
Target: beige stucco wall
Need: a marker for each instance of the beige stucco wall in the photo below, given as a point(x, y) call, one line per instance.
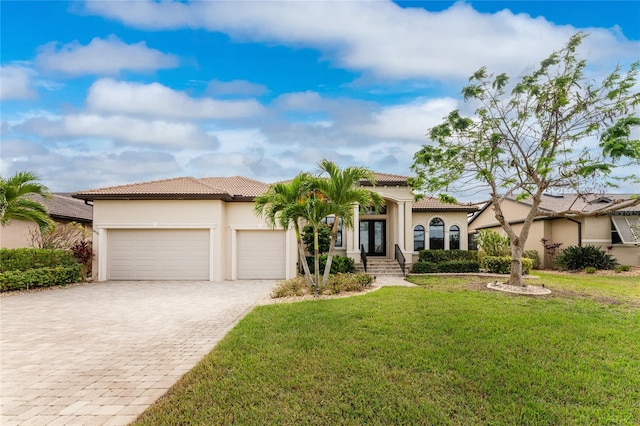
point(224, 218)
point(449, 219)
point(17, 233)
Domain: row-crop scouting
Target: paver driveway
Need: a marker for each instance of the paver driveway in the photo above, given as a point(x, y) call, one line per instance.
point(101, 353)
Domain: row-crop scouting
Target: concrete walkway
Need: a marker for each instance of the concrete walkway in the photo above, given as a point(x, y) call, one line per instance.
point(100, 354)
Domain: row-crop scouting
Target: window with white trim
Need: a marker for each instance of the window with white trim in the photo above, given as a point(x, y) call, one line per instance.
point(625, 230)
point(329, 221)
point(418, 238)
point(436, 234)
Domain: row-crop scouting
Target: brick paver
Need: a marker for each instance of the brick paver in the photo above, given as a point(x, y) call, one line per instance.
point(99, 354)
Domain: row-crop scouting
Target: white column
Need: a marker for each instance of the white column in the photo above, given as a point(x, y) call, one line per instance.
point(234, 254)
point(102, 254)
point(401, 221)
point(355, 236)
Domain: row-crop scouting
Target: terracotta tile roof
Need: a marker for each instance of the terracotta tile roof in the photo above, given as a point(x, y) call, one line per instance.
point(389, 179)
point(237, 185)
point(62, 206)
point(183, 187)
point(433, 204)
point(169, 188)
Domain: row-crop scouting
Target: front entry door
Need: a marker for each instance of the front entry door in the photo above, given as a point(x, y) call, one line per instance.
point(373, 237)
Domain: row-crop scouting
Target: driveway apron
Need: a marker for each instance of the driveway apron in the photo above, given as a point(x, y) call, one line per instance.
point(101, 353)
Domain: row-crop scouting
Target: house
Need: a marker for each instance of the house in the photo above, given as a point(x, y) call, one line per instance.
point(617, 233)
point(206, 229)
point(62, 208)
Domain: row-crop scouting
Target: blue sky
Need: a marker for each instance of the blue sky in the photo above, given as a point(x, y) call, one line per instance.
point(105, 93)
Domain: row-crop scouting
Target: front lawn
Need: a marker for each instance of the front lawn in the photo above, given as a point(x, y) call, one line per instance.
point(448, 353)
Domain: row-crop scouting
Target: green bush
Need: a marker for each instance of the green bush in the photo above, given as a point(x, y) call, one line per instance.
point(339, 264)
point(575, 258)
point(492, 243)
point(424, 268)
point(438, 256)
point(41, 277)
point(590, 270)
point(294, 287)
point(502, 264)
point(459, 266)
point(535, 257)
point(623, 268)
point(22, 259)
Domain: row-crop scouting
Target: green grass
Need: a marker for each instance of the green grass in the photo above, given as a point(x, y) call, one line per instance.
point(439, 354)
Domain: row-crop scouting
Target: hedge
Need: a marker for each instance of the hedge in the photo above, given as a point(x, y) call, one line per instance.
point(339, 264)
point(23, 259)
point(41, 277)
point(439, 256)
point(451, 266)
point(502, 264)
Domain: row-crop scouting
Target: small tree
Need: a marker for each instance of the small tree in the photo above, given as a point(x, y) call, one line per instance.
point(492, 243)
point(535, 139)
point(59, 236)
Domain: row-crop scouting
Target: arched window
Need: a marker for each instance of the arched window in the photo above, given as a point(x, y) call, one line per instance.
point(418, 238)
point(454, 238)
point(436, 234)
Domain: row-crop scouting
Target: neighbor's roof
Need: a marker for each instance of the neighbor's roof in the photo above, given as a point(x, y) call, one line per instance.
point(62, 206)
point(555, 203)
point(433, 204)
point(227, 188)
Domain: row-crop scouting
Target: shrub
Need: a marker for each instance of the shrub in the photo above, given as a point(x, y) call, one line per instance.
point(424, 267)
point(340, 283)
point(438, 256)
point(623, 268)
point(324, 238)
point(340, 264)
point(40, 277)
point(535, 257)
point(83, 253)
point(492, 243)
point(22, 259)
point(61, 236)
point(502, 264)
point(460, 266)
point(337, 283)
point(590, 270)
point(294, 287)
point(576, 258)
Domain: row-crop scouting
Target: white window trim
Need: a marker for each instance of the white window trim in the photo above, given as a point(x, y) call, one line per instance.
point(622, 222)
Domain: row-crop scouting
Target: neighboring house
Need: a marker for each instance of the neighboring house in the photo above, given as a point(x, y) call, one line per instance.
point(62, 208)
point(617, 233)
point(206, 229)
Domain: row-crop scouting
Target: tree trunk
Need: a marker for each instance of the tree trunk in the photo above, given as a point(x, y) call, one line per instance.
point(515, 278)
point(332, 244)
point(316, 259)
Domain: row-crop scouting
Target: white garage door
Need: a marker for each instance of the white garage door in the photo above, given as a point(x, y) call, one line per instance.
point(261, 255)
point(158, 254)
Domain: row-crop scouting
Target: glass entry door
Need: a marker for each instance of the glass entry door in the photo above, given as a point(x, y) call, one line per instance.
point(373, 237)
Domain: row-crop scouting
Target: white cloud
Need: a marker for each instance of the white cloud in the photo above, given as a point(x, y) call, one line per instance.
point(15, 82)
point(107, 95)
point(122, 129)
point(381, 37)
point(102, 57)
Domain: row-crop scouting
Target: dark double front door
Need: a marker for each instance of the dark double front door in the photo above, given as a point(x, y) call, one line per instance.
point(373, 237)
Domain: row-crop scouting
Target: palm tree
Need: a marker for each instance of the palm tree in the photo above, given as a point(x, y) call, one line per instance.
point(16, 201)
point(284, 205)
point(343, 191)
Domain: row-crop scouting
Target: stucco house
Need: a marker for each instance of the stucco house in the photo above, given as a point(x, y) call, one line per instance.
point(206, 229)
point(62, 208)
point(617, 233)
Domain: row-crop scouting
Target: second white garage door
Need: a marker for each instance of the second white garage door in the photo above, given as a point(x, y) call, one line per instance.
point(261, 255)
point(158, 254)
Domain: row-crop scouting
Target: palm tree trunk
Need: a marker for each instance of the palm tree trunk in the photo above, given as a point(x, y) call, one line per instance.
point(316, 259)
point(332, 245)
